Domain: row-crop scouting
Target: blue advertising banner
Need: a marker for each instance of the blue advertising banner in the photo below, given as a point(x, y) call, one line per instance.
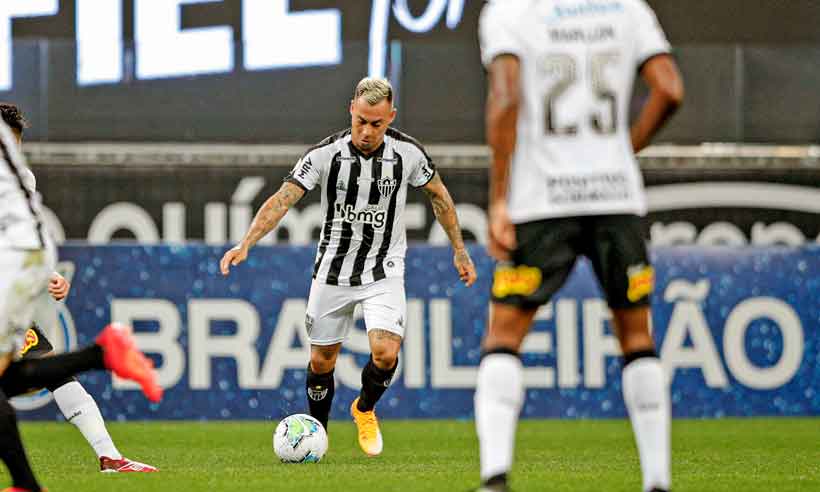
point(737, 329)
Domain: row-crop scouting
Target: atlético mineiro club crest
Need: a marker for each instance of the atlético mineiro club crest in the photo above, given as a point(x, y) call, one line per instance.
point(387, 186)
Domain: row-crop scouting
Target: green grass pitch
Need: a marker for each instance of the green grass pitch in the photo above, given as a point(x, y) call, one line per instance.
point(730, 455)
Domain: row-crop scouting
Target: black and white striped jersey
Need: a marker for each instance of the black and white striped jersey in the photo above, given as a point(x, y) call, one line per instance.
point(363, 236)
point(20, 217)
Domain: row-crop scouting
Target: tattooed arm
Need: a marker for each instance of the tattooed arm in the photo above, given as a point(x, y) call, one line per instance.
point(445, 211)
point(265, 221)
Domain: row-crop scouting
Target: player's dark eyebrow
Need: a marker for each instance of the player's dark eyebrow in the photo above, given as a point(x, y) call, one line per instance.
point(374, 122)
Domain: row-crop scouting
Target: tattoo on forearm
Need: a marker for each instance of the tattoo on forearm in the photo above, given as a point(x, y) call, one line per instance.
point(462, 256)
point(445, 211)
point(272, 211)
point(441, 207)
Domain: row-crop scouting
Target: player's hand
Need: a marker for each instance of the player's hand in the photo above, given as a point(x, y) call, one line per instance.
point(465, 267)
point(502, 239)
point(58, 286)
point(233, 257)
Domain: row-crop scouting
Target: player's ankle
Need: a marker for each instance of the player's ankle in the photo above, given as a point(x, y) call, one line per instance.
point(363, 406)
point(495, 480)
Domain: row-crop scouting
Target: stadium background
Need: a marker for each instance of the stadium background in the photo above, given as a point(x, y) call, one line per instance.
point(140, 140)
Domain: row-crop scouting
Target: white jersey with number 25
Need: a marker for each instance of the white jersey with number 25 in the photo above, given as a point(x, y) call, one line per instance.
point(579, 59)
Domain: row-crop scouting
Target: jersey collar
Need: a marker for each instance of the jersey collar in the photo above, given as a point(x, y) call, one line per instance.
point(376, 153)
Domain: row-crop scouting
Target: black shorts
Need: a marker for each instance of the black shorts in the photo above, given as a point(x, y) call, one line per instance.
point(546, 254)
point(36, 344)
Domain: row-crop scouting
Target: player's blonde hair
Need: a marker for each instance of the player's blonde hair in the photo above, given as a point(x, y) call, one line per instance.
point(374, 90)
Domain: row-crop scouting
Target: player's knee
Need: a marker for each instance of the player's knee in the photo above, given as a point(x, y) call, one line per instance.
point(321, 366)
point(322, 361)
point(5, 360)
point(385, 358)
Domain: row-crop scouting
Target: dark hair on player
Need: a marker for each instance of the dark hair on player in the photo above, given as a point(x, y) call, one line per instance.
point(13, 116)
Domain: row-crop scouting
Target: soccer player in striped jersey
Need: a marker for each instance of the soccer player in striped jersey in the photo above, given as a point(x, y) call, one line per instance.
point(364, 173)
point(26, 262)
point(565, 183)
point(74, 402)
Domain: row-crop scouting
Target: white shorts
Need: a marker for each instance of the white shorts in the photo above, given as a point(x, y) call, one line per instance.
point(331, 308)
point(24, 278)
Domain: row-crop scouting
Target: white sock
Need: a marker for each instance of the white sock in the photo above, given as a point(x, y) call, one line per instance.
point(646, 395)
point(498, 398)
point(80, 409)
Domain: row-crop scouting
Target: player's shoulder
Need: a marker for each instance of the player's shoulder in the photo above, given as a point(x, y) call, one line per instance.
point(327, 147)
point(6, 136)
point(404, 141)
point(502, 12)
point(504, 8)
point(9, 150)
point(637, 8)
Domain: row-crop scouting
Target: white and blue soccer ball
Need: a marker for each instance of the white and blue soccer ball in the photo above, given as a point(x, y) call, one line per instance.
point(300, 438)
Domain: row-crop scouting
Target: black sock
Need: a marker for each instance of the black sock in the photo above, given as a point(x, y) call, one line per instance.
point(320, 389)
point(53, 386)
point(374, 383)
point(496, 480)
point(639, 354)
point(26, 375)
point(11, 449)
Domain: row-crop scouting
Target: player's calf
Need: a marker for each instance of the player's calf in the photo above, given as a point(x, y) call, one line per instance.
point(376, 377)
point(646, 395)
point(25, 375)
point(500, 389)
point(375, 382)
point(320, 385)
point(498, 399)
point(320, 389)
point(114, 349)
point(11, 449)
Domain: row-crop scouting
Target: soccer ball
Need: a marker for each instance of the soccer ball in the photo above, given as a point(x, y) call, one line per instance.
point(299, 439)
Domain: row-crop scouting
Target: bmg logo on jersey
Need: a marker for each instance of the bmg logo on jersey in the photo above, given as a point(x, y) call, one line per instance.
point(371, 215)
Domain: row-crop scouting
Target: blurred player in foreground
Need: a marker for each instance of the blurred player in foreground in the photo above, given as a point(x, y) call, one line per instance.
point(565, 183)
point(74, 402)
point(27, 259)
point(363, 173)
